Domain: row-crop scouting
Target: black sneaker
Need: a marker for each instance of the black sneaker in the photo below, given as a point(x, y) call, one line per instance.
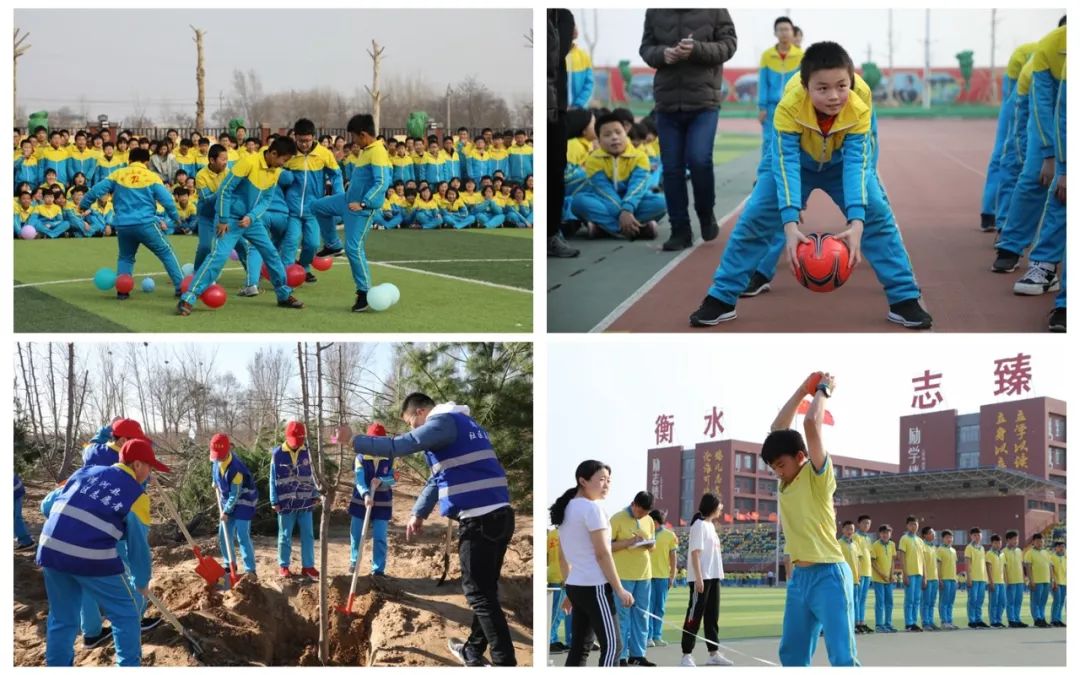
point(759, 283)
point(326, 251)
point(647, 231)
point(361, 302)
point(640, 661)
point(149, 623)
point(184, 309)
point(290, 303)
point(1006, 262)
point(930, 627)
point(1057, 624)
point(558, 248)
point(867, 629)
point(103, 636)
point(623, 663)
point(997, 625)
point(557, 648)
point(310, 278)
point(1021, 624)
point(1041, 623)
point(712, 312)
point(987, 222)
point(859, 629)
point(710, 229)
point(177, 293)
point(910, 314)
point(464, 654)
point(677, 242)
point(914, 628)
point(982, 624)
point(123, 296)
point(1057, 320)
point(1040, 278)
point(1014, 624)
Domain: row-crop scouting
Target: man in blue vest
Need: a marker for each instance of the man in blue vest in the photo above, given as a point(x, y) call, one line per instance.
point(238, 498)
point(469, 485)
point(380, 500)
point(293, 496)
point(98, 507)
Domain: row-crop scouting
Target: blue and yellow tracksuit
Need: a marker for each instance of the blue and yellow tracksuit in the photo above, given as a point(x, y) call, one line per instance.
point(1058, 208)
point(310, 173)
point(189, 218)
point(457, 215)
point(206, 186)
point(106, 167)
point(367, 468)
point(574, 178)
point(579, 73)
point(402, 168)
point(55, 158)
point(995, 170)
point(189, 161)
point(472, 200)
point(774, 73)
point(840, 162)
point(479, 163)
point(368, 184)
point(1028, 198)
point(616, 184)
point(77, 224)
point(136, 192)
point(1050, 247)
point(28, 170)
point(521, 162)
point(1014, 148)
point(431, 169)
point(393, 212)
point(94, 545)
point(25, 216)
point(500, 161)
point(247, 190)
point(519, 214)
point(22, 535)
point(427, 214)
point(239, 498)
point(451, 165)
point(50, 220)
point(85, 162)
point(101, 216)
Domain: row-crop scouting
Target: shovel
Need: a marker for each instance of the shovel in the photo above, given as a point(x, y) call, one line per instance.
point(171, 618)
point(208, 568)
point(347, 609)
point(227, 536)
point(446, 552)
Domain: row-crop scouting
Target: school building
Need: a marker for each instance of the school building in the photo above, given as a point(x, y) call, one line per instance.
point(1000, 468)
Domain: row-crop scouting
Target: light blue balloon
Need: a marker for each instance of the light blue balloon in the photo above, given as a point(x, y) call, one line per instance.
point(380, 298)
point(395, 293)
point(148, 285)
point(188, 268)
point(104, 279)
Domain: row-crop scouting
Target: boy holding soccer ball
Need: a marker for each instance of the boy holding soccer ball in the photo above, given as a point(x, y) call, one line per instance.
point(822, 139)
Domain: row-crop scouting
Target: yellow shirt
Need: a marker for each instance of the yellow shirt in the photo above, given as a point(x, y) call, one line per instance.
point(1040, 565)
point(929, 559)
point(911, 545)
point(632, 564)
point(883, 554)
point(996, 560)
point(946, 555)
point(976, 560)
point(1014, 565)
point(852, 555)
point(863, 542)
point(1060, 564)
point(808, 515)
point(660, 556)
point(553, 569)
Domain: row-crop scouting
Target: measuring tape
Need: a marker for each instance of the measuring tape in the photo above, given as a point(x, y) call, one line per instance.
point(717, 645)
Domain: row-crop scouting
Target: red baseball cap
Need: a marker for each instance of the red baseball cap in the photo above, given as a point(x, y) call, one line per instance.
point(295, 433)
point(219, 446)
point(141, 450)
point(127, 428)
point(376, 429)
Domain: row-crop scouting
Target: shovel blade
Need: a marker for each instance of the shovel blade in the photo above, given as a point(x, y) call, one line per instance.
point(210, 570)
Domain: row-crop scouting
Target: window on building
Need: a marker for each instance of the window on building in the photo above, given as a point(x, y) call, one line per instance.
point(852, 472)
point(745, 504)
point(1058, 479)
point(1061, 512)
point(838, 470)
point(969, 433)
point(686, 502)
point(871, 472)
point(1057, 428)
point(968, 460)
point(960, 537)
point(744, 485)
point(767, 506)
point(1057, 458)
point(761, 465)
point(767, 486)
point(744, 461)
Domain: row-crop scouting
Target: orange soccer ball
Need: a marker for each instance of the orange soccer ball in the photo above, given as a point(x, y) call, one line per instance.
point(824, 263)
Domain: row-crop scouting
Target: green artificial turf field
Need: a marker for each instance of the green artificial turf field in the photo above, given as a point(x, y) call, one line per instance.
point(450, 281)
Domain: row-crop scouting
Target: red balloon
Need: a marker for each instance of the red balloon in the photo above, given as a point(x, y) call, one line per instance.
point(265, 273)
point(186, 283)
point(124, 283)
point(322, 264)
point(295, 275)
point(214, 296)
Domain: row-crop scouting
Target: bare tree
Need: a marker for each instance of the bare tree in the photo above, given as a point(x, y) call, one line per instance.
point(200, 79)
point(20, 49)
point(591, 36)
point(376, 94)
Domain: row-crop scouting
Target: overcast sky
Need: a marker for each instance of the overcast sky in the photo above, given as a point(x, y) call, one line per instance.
point(604, 398)
point(952, 31)
point(115, 56)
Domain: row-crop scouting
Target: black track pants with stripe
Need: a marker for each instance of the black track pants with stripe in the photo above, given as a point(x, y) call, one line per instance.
point(593, 616)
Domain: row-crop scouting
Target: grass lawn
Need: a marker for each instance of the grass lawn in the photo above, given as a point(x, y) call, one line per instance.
point(450, 281)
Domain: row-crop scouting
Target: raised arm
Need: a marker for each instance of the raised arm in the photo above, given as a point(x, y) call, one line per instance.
point(786, 416)
point(814, 418)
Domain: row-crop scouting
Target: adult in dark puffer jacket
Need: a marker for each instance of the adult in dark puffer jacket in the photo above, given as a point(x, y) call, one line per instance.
point(688, 48)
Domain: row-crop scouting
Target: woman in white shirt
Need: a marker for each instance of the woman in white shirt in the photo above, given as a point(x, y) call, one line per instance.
point(705, 569)
point(592, 584)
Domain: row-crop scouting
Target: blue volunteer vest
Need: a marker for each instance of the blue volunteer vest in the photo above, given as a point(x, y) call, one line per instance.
point(249, 496)
point(384, 495)
point(86, 522)
point(100, 454)
point(19, 489)
point(294, 485)
point(467, 472)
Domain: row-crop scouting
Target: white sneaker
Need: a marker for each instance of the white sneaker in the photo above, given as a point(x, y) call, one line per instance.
point(248, 291)
point(718, 659)
point(659, 643)
point(687, 661)
point(650, 643)
point(1041, 277)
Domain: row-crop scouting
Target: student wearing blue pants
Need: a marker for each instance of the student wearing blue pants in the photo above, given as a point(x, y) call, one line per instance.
point(805, 159)
point(363, 202)
point(559, 617)
point(136, 192)
point(380, 501)
point(882, 555)
point(238, 497)
point(97, 507)
point(456, 213)
point(489, 214)
point(312, 167)
point(779, 64)
point(1059, 567)
point(997, 169)
point(1037, 563)
point(23, 539)
point(911, 566)
point(663, 563)
point(1014, 578)
point(243, 200)
point(975, 557)
point(946, 566)
point(50, 219)
point(630, 527)
point(863, 540)
point(207, 182)
point(995, 581)
point(931, 578)
point(1012, 155)
point(293, 498)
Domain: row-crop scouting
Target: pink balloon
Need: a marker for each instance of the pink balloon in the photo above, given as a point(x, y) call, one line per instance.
point(28, 232)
